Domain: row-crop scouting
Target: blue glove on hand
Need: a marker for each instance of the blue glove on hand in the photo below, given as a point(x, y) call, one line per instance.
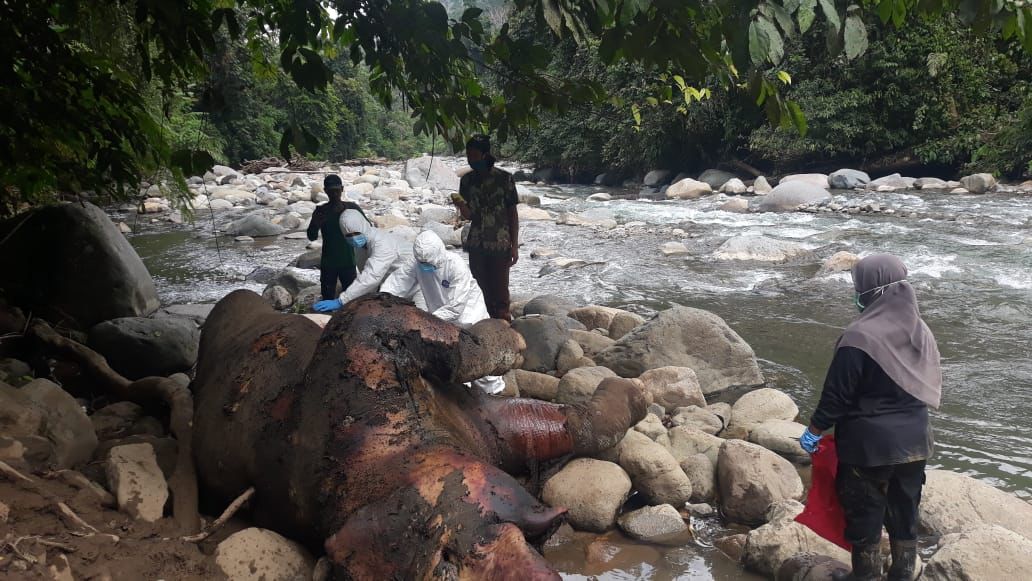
point(809, 441)
point(327, 306)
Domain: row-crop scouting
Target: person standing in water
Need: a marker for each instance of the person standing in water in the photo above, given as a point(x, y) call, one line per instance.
point(338, 257)
point(883, 378)
point(487, 197)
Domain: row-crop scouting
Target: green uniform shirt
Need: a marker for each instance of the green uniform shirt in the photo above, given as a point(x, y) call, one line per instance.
point(490, 198)
point(336, 252)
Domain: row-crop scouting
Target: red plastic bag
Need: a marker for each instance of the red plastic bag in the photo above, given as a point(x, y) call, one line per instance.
point(823, 513)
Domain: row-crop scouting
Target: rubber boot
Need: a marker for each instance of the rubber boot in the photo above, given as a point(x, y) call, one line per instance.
point(867, 565)
point(906, 565)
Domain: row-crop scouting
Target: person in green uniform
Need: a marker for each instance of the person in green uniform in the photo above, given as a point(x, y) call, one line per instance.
point(338, 257)
point(487, 197)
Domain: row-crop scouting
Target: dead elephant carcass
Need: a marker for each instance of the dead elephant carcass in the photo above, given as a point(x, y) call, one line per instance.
point(362, 437)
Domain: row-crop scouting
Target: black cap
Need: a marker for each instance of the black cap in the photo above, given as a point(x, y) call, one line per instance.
point(479, 142)
point(332, 181)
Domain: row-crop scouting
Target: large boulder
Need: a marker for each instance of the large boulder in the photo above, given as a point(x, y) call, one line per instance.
point(624, 322)
point(658, 177)
point(931, 184)
point(549, 305)
point(434, 213)
point(580, 384)
point(988, 553)
point(594, 316)
point(769, 546)
point(716, 178)
point(656, 475)
point(262, 554)
point(817, 179)
point(534, 385)
point(655, 524)
point(687, 441)
point(254, 225)
point(448, 234)
point(688, 189)
point(697, 417)
point(591, 343)
point(781, 437)
point(759, 249)
point(137, 347)
point(591, 490)
point(702, 473)
point(544, 335)
point(65, 424)
point(441, 176)
point(673, 387)
point(953, 503)
point(761, 186)
point(788, 196)
point(978, 183)
point(751, 478)
point(891, 182)
point(756, 407)
point(137, 481)
point(686, 337)
point(842, 261)
point(70, 263)
point(848, 179)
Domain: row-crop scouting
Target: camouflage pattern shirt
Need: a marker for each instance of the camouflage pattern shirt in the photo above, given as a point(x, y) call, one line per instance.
point(490, 198)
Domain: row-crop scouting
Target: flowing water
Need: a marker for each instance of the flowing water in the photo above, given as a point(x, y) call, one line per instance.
point(970, 259)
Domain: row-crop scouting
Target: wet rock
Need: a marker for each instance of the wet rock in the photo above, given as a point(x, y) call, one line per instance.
point(549, 305)
point(812, 567)
point(759, 249)
point(761, 186)
point(673, 249)
point(279, 297)
point(233, 196)
point(543, 253)
point(255, 226)
point(307, 298)
point(655, 524)
point(787, 197)
point(65, 424)
point(953, 503)
point(441, 177)
point(580, 384)
point(600, 197)
point(701, 509)
point(696, 417)
point(592, 218)
point(991, 552)
point(557, 264)
point(256, 553)
point(673, 387)
point(892, 182)
point(761, 405)
point(544, 335)
point(137, 347)
point(736, 206)
point(978, 183)
point(688, 189)
point(623, 323)
point(848, 179)
point(656, 475)
point(702, 472)
point(651, 426)
point(751, 478)
point(734, 186)
point(76, 239)
point(959, 191)
point(781, 437)
point(592, 490)
point(732, 545)
point(219, 205)
point(716, 178)
point(137, 482)
point(842, 261)
point(115, 420)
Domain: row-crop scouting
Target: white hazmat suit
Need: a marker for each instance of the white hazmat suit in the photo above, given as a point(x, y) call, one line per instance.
point(385, 253)
point(450, 292)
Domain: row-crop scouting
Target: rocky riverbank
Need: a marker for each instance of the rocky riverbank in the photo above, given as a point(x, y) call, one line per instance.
point(716, 446)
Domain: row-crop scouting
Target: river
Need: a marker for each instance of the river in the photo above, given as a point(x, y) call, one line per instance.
point(970, 260)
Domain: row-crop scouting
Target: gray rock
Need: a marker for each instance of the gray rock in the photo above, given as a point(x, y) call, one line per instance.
point(978, 183)
point(989, 553)
point(696, 417)
point(594, 316)
point(448, 234)
point(842, 261)
point(761, 186)
point(686, 337)
point(65, 424)
point(716, 178)
point(673, 387)
point(787, 197)
point(166, 451)
point(734, 186)
point(655, 524)
point(931, 184)
point(137, 347)
point(255, 226)
point(736, 206)
point(309, 260)
point(307, 298)
point(768, 547)
point(759, 249)
point(256, 553)
point(18, 415)
point(137, 482)
point(580, 384)
point(848, 179)
point(700, 509)
point(812, 567)
point(591, 490)
point(816, 179)
point(279, 297)
point(534, 385)
point(651, 426)
point(756, 407)
point(654, 471)
point(751, 478)
point(658, 177)
point(544, 335)
point(194, 312)
point(781, 437)
point(688, 189)
point(953, 503)
point(600, 197)
point(591, 343)
point(702, 472)
point(116, 420)
point(91, 272)
point(570, 357)
point(673, 249)
point(441, 176)
point(686, 441)
point(551, 305)
point(441, 214)
point(623, 323)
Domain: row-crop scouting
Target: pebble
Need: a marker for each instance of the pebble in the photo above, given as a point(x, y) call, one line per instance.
point(244, 239)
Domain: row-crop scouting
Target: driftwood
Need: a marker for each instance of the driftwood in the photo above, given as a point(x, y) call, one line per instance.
point(225, 516)
point(147, 392)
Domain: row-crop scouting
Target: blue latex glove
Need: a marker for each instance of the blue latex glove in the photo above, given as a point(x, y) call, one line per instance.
point(809, 441)
point(327, 306)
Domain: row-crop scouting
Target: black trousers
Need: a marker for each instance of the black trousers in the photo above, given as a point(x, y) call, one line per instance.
point(491, 271)
point(873, 496)
point(329, 275)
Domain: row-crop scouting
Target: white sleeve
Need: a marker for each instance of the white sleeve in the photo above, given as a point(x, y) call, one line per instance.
point(461, 293)
point(377, 267)
point(402, 282)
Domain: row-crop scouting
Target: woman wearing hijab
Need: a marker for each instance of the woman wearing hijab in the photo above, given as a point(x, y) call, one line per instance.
point(883, 378)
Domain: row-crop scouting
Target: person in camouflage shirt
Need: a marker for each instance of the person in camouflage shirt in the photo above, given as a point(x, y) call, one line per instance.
point(487, 197)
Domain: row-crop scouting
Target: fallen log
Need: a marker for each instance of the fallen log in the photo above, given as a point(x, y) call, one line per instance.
point(362, 438)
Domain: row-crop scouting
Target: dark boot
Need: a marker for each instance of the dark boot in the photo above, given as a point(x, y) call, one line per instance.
point(906, 565)
point(867, 565)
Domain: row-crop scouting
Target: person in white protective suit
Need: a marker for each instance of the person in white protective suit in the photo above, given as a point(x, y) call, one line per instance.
point(385, 253)
point(447, 286)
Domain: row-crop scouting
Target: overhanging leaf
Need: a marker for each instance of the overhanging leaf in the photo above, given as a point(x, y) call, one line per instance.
point(806, 15)
point(855, 37)
point(759, 43)
point(831, 14)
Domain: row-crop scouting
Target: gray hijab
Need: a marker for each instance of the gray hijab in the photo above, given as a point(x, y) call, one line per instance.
point(890, 328)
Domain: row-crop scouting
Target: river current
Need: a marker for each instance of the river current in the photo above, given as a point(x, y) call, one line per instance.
point(970, 260)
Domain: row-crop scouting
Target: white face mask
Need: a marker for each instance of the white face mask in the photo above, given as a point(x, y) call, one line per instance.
point(860, 306)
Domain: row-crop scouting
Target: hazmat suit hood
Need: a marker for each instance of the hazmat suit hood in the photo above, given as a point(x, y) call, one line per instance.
point(354, 221)
point(429, 248)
